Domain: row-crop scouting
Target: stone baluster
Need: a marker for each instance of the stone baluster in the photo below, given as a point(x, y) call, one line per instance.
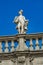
point(25, 46)
point(0, 47)
point(12, 45)
point(6, 47)
point(42, 44)
point(37, 44)
point(31, 45)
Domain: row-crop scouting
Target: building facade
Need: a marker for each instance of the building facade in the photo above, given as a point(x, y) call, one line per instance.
point(14, 49)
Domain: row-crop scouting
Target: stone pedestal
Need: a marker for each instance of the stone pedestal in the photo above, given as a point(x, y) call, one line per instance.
point(22, 45)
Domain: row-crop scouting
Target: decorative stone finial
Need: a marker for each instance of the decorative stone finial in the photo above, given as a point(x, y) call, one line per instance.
point(21, 23)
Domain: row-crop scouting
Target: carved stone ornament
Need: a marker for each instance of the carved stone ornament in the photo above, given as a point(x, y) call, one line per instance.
point(21, 59)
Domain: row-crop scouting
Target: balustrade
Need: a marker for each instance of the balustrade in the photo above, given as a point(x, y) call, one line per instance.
point(21, 44)
point(31, 44)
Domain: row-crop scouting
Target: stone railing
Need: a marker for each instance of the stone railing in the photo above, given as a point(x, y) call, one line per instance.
point(7, 43)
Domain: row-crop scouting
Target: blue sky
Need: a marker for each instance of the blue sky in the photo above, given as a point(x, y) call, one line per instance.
point(33, 10)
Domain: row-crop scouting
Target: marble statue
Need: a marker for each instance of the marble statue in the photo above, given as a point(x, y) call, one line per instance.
point(21, 23)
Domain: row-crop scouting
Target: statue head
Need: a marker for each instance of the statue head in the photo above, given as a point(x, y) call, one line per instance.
point(21, 12)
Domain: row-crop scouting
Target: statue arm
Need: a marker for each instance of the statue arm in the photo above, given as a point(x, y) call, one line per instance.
point(25, 19)
point(16, 19)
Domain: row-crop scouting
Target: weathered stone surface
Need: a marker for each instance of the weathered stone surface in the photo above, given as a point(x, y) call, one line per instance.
point(21, 59)
point(38, 61)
